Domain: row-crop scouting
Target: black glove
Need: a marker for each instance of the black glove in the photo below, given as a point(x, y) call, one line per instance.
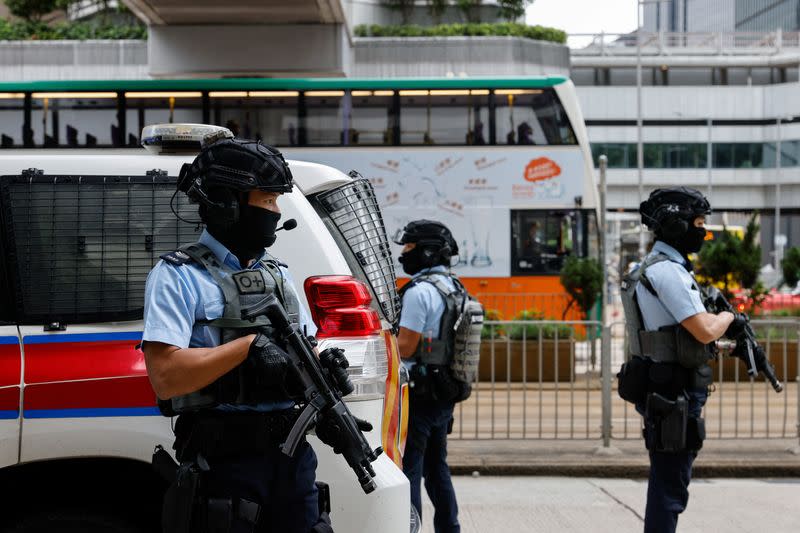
point(269, 362)
point(740, 321)
point(329, 432)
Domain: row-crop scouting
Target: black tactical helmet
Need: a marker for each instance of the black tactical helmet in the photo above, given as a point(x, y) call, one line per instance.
point(428, 233)
point(670, 212)
point(226, 167)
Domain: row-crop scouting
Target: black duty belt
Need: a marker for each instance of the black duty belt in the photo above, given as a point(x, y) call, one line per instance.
point(221, 433)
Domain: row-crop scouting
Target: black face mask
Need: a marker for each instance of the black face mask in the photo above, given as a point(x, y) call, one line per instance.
point(412, 261)
point(693, 240)
point(254, 231)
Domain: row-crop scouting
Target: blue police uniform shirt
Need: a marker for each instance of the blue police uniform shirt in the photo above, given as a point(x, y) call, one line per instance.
point(677, 298)
point(177, 297)
point(423, 306)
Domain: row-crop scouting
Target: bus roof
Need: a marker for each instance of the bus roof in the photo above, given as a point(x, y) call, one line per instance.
point(284, 84)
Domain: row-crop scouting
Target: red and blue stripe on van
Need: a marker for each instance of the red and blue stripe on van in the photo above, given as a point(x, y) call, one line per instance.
point(10, 363)
point(86, 375)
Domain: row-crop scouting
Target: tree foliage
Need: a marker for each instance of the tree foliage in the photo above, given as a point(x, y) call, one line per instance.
point(733, 260)
point(436, 8)
point(31, 10)
point(791, 266)
point(512, 10)
point(582, 278)
point(405, 7)
point(471, 9)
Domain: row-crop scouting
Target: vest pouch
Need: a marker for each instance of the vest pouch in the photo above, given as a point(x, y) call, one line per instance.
point(445, 387)
point(695, 434)
point(632, 380)
point(420, 382)
point(691, 352)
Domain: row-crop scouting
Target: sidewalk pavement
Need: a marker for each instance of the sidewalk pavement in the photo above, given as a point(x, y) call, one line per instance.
point(624, 459)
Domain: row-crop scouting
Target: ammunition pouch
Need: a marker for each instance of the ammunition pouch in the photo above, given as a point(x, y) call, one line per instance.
point(666, 423)
point(436, 383)
point(701, 377)
point(219, 434)
point(691, 352)
point(695, 434)
point(632, 380)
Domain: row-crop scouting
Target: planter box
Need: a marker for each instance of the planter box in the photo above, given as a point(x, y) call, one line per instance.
point(775, 357)
point(555, 357)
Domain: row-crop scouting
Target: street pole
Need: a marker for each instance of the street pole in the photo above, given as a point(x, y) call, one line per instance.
point(709, 155)
point(605, 338)
point(639, 143)
point(778, 162)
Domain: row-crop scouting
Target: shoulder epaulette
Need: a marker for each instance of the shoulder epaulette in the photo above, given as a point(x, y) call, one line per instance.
point(176, 257)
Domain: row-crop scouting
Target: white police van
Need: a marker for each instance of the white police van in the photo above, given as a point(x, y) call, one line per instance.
point(79, 232)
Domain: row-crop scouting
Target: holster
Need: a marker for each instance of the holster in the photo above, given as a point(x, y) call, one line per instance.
point(178, 508)
point(666, 423)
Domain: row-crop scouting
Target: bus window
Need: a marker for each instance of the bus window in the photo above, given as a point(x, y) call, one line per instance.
point(74, 119)
point(541, 240)
point(324, 118)
point(11, 119)
point(369, 121)
point(455, 117)
point(145, 108)
point(531, 116)
point(269, 116)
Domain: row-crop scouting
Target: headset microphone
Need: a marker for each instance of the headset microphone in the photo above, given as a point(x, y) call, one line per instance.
point(288, 225)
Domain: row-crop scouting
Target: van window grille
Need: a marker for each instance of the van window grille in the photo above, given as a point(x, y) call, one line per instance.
point(353, 210)
point(78, 249)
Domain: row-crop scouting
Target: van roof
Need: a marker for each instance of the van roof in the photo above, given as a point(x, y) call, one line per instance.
point(309, 177)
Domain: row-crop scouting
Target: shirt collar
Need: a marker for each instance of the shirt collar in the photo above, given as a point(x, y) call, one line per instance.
point(669, 251)
point(438, 269)
point(222, 253)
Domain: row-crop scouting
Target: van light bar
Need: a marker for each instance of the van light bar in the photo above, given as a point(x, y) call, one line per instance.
point(174, 138)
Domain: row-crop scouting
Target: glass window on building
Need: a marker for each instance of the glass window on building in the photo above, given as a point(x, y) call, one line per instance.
point(738, 155)
point(452, 116)
point(620, 155)
point(323, 124)
point(541, 240)
point(370, 120)
point(790, 154)
point(75, 119)
point(674, 155)
point(269, 116)
point(531, 116)
point(11, 119)
point(144, 108)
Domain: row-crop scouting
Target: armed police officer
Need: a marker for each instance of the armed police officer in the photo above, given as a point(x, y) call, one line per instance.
point(670, 335)
point(225, 377)
point(426, 345)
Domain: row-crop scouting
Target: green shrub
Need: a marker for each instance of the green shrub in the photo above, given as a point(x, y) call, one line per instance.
point(510, 29)
point(531, 331)
point(488, 331)
point(791, 266)
point(71, 31)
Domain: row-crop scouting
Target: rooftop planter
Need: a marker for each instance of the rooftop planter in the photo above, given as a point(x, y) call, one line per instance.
point(500, 29)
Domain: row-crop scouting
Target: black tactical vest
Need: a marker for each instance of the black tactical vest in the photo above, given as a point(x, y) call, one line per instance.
point(439, 351)
point(241, 289)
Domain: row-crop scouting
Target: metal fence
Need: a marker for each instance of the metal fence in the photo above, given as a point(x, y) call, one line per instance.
point(545, 380)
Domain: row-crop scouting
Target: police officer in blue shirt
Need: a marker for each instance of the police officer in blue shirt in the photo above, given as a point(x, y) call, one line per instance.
point(228, 383)
point(427, 250)
point(670, 333)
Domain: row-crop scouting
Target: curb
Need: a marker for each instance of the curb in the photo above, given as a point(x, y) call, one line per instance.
point(629, 471)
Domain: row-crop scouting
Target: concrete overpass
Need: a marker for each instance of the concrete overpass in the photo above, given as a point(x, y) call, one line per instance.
point(192, 38)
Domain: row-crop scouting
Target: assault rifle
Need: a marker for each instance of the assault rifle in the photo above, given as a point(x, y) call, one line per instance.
point(323, 388)
point(747, 348)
